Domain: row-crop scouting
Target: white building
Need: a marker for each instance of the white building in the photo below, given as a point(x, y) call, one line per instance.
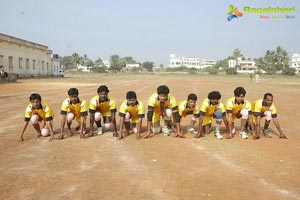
point(83, 68)
point(130, 66)
point(247, 69)
point(56, 68)
point(106, 63)
point(24, 57)
point(295, 61)
point(232, 63)
point(189, 62)
point(207, 63)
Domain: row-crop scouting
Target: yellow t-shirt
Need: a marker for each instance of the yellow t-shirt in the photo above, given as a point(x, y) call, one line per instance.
point(184, 110)
point(155, 103)
point(208, 110)
point(136, 111)
point(233, 107)
point(45, 112)
point(258, 108)
point(105, 108)
point(78, 109)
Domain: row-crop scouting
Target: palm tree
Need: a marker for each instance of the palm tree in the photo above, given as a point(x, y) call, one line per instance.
point(75, 59)
point(282, 59)
point(269, 60)
point(114, 62)
point(236, 54)
point(276, 60)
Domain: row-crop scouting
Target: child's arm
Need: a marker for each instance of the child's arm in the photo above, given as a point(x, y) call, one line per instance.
point(22, 133)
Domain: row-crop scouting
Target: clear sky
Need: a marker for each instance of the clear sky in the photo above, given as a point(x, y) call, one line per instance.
point(150, 30)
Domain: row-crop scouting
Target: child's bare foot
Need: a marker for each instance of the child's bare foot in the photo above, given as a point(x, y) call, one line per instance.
point(70, 132)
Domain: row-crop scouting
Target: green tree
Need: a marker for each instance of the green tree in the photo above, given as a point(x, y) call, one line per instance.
point(148, 66)
point(222, 64)
point(236, 54)
point(268, 61)
point(281, 59)
point(274, 60)
point(129, 59)
point(122, 63)
point(98, 62)
point(115, 63)
point(259, 62)
point(76, 59)
point(67, 62)
point(86, 61)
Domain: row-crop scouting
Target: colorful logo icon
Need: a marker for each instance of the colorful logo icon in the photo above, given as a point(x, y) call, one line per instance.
point(233, 13)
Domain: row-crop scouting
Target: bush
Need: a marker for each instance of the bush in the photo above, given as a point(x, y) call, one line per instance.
point(210, 70)
point(230, 71)
point(182, 69)
point(99, 69)
point(289, 72)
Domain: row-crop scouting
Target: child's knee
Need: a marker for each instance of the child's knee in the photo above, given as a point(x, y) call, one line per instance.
point(218, 114)
point(244, 113)
point(34, 119)
point(70, 117)
point(97, 116)
point(268, 115)
point(168, 114)
point(127, 117)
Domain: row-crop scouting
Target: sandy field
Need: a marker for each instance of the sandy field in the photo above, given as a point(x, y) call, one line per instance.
point(161, 167)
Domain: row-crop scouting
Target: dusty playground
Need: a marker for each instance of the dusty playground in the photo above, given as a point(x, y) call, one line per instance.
point(103, 167)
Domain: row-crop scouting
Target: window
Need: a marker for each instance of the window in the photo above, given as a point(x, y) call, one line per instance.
point(1, 60)
point(47, 66)
point(33, 64)
point(10, 62)
point(20, 63)
point(27, 63)
point(43, 67)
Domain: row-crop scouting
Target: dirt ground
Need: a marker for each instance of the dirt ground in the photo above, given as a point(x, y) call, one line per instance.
point(161, 167)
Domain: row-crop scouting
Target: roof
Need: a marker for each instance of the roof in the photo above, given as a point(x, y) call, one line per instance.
point(248, 67)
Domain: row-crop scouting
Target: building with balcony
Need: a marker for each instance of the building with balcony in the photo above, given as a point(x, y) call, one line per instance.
point(189, 62)
point(241, 62)
point(295, 62)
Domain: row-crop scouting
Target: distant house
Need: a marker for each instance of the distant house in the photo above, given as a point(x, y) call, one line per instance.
point(156, 69)
point(247, 69)
point(130, 66)
point(83, 68)
point(56, 68)
point(106, 63)
point(295, 63)
point(232, 63)
point(189, 62)
point(207, 63)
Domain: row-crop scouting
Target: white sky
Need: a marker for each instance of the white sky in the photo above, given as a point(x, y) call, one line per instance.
point(150, 30)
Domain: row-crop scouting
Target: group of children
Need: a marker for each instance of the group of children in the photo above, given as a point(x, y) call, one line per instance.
point(163, 114)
